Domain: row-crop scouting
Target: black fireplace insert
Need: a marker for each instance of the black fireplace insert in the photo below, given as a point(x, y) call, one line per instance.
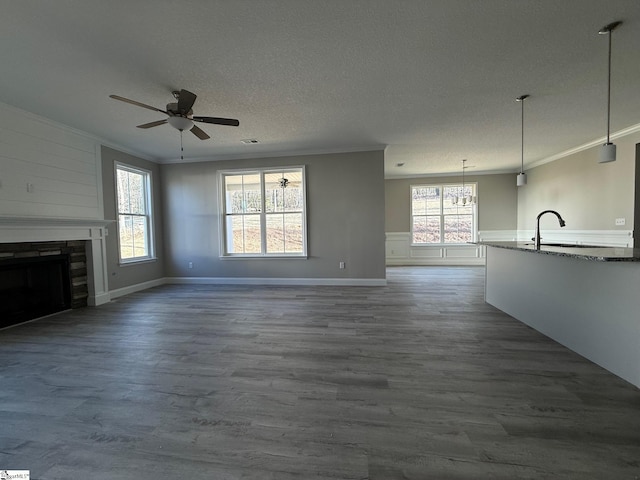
point(33, 287)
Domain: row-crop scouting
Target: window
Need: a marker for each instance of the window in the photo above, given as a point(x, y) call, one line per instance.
point(133, 187)
point(264, 212)
point(443, 214)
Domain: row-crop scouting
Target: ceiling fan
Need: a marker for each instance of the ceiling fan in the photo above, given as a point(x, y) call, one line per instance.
point(180, 114)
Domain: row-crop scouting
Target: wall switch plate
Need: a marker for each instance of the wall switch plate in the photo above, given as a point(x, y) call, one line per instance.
point(342, 266)
point(620, 221)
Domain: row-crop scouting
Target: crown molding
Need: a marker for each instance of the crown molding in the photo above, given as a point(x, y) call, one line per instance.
point(581, 148)
point(276, 154)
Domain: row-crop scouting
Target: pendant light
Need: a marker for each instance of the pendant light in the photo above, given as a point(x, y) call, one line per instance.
point(463, 199)
point(521, 179)
point(608, 150)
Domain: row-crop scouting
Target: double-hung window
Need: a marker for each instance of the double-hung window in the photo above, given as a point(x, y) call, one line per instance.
point(264, 212)
point(133, 188)
point(443, 214)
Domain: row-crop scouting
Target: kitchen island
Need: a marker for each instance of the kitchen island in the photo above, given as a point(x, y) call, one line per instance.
point(586, 298)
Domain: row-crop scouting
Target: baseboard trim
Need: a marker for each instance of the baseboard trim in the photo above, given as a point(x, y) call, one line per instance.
point(120, 292)
point(97, 300)
point(346, 282)
point(338, 282)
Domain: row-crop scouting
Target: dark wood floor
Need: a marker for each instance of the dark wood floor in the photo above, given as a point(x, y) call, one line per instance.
point(417, 380)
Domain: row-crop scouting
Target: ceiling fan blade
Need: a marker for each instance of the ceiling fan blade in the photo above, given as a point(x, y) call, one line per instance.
point(186, 99)
point(198, 132)
point(152, 124)
point(133, 102)
point(232, 122)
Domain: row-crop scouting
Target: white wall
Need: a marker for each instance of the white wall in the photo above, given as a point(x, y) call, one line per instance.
point(47, 169)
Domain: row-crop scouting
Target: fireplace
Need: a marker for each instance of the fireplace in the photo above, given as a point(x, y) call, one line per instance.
point(38, 279)
point(83, 240)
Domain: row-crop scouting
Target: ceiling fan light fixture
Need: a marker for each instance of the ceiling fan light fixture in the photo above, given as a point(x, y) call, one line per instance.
point(180, 114)
point(180, 123)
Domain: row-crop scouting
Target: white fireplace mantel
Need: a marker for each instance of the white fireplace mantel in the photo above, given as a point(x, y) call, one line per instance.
point(93, 231)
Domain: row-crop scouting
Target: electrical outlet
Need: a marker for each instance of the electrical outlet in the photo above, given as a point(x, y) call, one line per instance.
point(190, 264)
point(342, 266)
point(620, 221)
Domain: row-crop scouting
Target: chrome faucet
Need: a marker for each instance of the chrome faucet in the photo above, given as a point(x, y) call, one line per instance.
point(537, 237)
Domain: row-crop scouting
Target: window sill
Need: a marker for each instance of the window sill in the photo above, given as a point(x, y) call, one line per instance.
point(263, 257)
point(128, 263)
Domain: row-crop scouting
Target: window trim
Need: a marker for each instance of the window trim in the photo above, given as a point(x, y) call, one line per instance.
point(148, 175)
point(474, 228)
point(262, 171)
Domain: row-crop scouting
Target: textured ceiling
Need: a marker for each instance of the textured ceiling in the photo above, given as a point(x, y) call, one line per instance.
point(432, 81)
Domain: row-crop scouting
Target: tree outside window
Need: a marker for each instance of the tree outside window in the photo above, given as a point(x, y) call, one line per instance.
point(264, 212)
point(443, 214)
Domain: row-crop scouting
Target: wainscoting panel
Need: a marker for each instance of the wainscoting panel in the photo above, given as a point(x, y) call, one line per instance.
point(461, 252)
point(428, 252)
point(397, 245)
point(604, 238)
point(401, 252)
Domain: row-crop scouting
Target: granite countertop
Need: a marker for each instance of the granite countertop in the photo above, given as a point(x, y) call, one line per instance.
point(584, 252)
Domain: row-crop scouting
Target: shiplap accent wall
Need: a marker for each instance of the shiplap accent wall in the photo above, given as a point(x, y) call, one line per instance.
point(46, 169)
point(51, 189)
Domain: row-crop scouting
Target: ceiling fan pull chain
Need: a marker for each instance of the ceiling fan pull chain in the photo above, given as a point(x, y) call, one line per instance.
point(181, 147)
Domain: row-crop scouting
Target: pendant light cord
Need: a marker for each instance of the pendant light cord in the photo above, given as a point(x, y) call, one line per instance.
point(522, 136)
point(521, 99)
point(181, 147)
point(608, 30)
point(609, 89)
